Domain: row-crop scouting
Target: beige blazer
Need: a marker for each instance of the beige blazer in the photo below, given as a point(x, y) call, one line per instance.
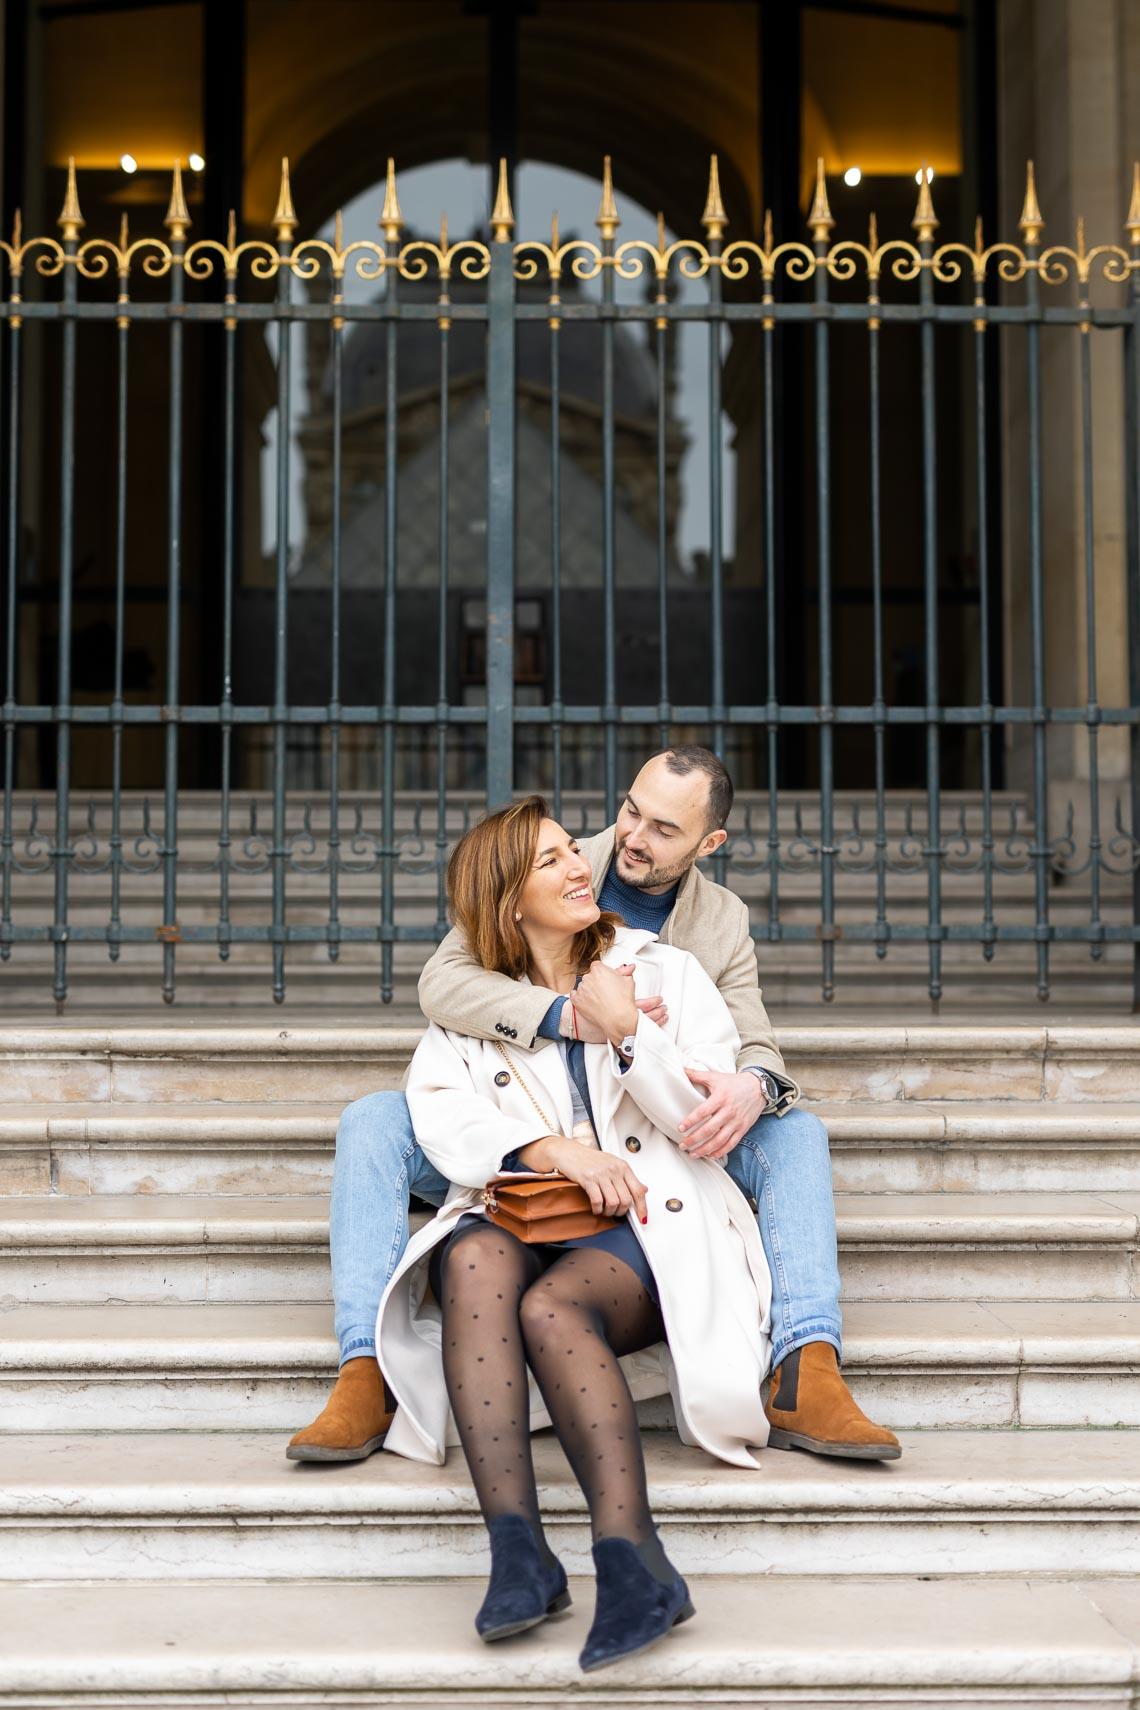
point(701, 1239)
point(707, 920)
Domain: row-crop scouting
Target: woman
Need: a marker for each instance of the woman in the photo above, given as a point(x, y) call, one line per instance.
point(679, 1290)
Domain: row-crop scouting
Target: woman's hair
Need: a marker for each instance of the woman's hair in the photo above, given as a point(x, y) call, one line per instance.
point(488, 868)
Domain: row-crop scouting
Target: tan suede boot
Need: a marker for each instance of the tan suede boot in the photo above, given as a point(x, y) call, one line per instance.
point(355, 1419)
point(810, 1407)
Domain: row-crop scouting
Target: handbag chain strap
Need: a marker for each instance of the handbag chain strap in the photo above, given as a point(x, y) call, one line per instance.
point(551, 1128)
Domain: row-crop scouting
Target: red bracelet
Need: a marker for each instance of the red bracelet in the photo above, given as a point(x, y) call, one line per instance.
point(573, 1019)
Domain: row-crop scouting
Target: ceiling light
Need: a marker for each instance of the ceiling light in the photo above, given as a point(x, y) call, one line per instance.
point(197, 163)
point(128, 163)
point(929, 175)
point(853, 176)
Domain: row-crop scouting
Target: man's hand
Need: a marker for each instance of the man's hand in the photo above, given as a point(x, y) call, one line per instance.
point(653, 1007)
point(604, 997)
point(733, 1104)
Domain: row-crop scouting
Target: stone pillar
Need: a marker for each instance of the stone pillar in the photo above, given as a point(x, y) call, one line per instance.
point(1069, 99)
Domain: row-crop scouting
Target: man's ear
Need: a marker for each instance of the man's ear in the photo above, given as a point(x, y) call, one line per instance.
point(712, 843)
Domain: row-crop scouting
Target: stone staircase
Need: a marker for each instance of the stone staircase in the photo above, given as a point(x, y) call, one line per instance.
point(165, 1324)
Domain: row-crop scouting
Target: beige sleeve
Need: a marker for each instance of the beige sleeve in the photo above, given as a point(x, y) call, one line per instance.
point(739, 987)
point(459, 995)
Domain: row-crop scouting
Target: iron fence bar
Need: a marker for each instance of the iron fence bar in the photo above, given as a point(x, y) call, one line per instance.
point(11, 608)
point(981, 414)
point(441, 731)
point(661, 337)
point(771, 710)
point(229, 528)
point(285, 224)
point(336, 357)
point(391, 570)
point(821, 223)
point(716, 515)
point(61, 853)
point(609, 632)
point(171, 733)
point(1132, 551)
point(122, 342)
point(500, 714)
point(882, 936)
point(556, 686)
point(1088, 496)
point(1041, 850)
point(924, 222)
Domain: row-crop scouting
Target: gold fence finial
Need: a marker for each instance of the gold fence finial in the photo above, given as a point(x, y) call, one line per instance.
point(662, 234)
point(768, 240)
point(1132, 223)
point(17, 228)
point(285, 215)
point(502, 214)
point(177, 221)
point(714, 219)
point(391, 219)
point(71, 221)
point(443, 231)
point(820, 221)
point(231, 229)
point(924, 223)
point(872, 231)
point(607, 221)
point(124, 231)
point(1031, 225)
point(555, 234)
point(979, 240)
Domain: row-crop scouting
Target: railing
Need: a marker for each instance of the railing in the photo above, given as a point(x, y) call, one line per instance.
point(728, 629)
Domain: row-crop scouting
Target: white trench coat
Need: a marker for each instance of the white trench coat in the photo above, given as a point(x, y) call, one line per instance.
point(701, 1238)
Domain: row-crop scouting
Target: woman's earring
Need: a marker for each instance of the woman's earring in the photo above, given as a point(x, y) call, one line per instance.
point(518, 916)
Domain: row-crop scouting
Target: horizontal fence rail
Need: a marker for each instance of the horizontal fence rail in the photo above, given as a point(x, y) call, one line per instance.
point(359, 724)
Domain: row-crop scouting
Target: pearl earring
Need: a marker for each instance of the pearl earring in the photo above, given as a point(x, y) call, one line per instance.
point(518, 916)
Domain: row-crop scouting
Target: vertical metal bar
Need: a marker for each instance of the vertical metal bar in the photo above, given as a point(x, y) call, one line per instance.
point(229, 527)
point(441, 656)
point(11, 604)
point(609, 624)
point(500, 522)
point(336, 351)
point(933, 851)
point(882, 932)
point(1132, 556)
point(557, 709)
point(391, 521)
point(123, 329)
point(771, 619)
point(716, 521)
point(171, 732)
point(1092, 713)
point(61, 852)
point(278, 851)
point(981, 409)
point(661, 336)
point(1041, 849)
point(821, 226)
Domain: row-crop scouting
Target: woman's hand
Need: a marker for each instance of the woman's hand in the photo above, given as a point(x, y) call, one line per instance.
point(605, 997)
point(612, 1187)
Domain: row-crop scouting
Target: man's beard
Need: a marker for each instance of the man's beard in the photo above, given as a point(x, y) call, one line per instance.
point(646, 877)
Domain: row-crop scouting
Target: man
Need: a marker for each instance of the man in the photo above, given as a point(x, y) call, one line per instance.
point(645, 870)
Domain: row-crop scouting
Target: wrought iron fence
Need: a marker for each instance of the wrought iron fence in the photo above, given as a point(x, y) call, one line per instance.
point(502, 693)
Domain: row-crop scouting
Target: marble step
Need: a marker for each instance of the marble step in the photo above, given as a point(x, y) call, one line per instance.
point(940, 1246)
point(218, 1366)
point(111, 1147)
point(181, 1507)
point(773, 1643)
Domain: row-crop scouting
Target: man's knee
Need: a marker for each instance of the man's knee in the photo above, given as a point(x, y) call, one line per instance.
point(800, 1128)
point(373, 1123)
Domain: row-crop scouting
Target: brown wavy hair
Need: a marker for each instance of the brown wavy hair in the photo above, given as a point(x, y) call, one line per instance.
point(488, 868)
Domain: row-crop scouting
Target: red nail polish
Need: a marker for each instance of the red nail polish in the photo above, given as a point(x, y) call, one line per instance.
point(645, 1220)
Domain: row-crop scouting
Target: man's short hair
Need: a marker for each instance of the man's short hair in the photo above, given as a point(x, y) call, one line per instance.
point(689, 757)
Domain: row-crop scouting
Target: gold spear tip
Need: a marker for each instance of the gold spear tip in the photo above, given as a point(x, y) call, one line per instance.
point(555, 235)
point(17, 228)
point(820, 221)
point(1132, 223)
point(70, 220)
point(1031, 225)
point(979, 241)
point(769, 232)
point(873, 231)
point(285, 215)
point(177, 219)
point(443, 230)
point(231, 229)
point(714, 219)
point(502, 215)
point(391, 219)
point(607, 221)
point(924, 222)
point(124, 230)
point(661, 233)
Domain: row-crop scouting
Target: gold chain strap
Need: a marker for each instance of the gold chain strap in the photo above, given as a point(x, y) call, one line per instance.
point(551, 1127)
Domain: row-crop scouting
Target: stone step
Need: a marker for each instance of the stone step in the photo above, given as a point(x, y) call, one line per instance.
point(286, 1148)
point(256, 1366)
point(840, 1062)
point(185, 1507)
point(771, 1642)
point(892, 1246)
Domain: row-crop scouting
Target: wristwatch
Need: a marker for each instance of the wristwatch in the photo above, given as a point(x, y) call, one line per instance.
point(771, 1090)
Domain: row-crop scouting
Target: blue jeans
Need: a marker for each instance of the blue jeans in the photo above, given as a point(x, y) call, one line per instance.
point(782, 1166)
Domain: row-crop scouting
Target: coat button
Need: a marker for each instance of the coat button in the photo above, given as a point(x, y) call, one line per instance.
point(499, 1027)
point(502, 1079)
point(674, 1205)
point(633, 1144)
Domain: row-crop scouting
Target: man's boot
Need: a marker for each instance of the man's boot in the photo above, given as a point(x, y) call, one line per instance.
point(810, 1407)
point(355, 1419)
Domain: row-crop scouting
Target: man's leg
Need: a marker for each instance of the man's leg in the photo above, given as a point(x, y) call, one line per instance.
point(378, 1164)
point(784, 1167)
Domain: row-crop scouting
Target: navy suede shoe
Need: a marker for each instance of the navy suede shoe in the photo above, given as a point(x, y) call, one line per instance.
point(523, 1590)
point(634, 1609)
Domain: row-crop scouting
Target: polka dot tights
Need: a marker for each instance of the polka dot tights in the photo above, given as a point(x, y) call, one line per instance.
point(569, 1314)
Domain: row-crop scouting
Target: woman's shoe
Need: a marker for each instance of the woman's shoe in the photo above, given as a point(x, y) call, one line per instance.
point(523, 1589)
point(634, 1609)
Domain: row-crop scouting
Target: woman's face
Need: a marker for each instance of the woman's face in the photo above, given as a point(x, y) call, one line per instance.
point(558, 896)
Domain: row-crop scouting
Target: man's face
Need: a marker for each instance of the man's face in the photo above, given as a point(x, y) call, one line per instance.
point(662, 827)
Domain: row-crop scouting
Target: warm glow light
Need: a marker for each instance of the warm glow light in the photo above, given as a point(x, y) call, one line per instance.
point(128, 163)
point(929, 175)
point(197, 163)
point(853, 176)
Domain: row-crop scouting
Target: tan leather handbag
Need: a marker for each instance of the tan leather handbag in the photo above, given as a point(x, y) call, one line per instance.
point(541, 1208)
